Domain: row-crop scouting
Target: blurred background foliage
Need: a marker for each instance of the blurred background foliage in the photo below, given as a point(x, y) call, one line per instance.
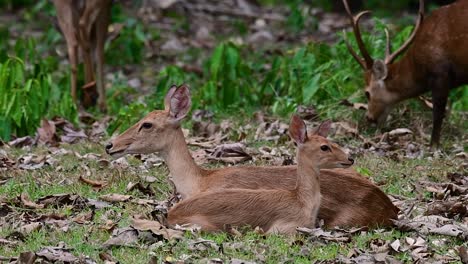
point(34, 84)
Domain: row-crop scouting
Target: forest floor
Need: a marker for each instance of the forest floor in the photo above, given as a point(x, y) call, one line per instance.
point(62, 199)
point(72, 201)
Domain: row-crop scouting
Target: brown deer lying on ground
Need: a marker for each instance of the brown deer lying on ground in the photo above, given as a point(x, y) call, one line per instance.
point(273, 210)
point(348, 199)
point(84, 25)
point(436, 60)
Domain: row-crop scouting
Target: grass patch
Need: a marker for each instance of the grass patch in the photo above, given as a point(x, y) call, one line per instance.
point(395, 177)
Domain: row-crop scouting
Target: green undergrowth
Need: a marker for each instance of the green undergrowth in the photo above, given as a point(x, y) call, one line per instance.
point(236, 79)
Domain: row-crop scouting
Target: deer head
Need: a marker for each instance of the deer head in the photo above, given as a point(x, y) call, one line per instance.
point(316, 149)
point(378, 74)
point(154, 133)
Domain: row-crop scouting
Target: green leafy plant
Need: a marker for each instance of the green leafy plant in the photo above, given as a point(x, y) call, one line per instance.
point(295, 19)
point(27, 98)
point(128, 47)
point(317, 74)
point(229, 78)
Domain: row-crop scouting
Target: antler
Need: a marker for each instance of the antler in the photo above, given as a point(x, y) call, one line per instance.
point(389, 58)
point(368, 61)
point(388, 47)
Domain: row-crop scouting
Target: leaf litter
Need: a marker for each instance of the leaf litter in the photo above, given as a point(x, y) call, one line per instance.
point(445, 213)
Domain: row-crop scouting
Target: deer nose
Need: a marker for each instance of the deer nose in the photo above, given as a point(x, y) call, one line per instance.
point(351, 160)
point(108, 147)
point(370, 119)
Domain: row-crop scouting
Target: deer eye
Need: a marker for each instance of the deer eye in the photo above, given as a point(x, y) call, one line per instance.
point(147, 125)
point(368, 95)
point(325, 148)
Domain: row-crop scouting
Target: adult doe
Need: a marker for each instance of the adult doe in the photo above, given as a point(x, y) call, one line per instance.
point(436, 60)
point(348, 199)
point(273, 210)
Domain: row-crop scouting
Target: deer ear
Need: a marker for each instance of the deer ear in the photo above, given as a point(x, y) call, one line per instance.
point(323, 129)
point(179, 104)
point(167, 98)
point(379, 70)
point(298, 130)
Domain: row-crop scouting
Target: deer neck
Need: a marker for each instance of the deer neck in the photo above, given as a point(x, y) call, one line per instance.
point(405, 80)
point(184, 171)
point(308, 184)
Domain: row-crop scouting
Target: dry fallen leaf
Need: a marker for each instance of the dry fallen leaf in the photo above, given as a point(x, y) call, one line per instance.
point(230, 153)
point(357, 106)
point(139, 186)
point(122, 237)
point(395, 245)
point(145, 225)
point(202, 245)
point(107, 258)
point(72, 136)
point(21, 142)
point(98, 185)
point(156, 228)
point(463, 254)
point(28, 203)
point(433, 224)
point(334, 236)
point(57, 254)
point(84, 217)
point(58, 200)
point(47, 132)
point(345, 129)
point(6, 163)
point(6, 242)
point(120, 163)
point(27, 257)
point(115, 198)
point(426, 101)
point(108, 225)
point(28, 228)
point(449, 208)
point(307, 112)
point(400, 132)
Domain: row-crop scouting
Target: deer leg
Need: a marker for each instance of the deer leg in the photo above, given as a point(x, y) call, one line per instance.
point(102, 23)
point(87, 59)
point(439, 101)
point(100, 79)
point(72, 51)
point(89, 89)
point(66, 21)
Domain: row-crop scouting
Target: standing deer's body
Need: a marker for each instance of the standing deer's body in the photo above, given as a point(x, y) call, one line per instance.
point(348, 199)
point(436, 61)
point(273, 210)
point(84, 25)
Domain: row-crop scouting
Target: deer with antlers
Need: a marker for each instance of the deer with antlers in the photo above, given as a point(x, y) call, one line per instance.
point(273, 210)
point(84, 25)
point(348, 199)
point(435, 60)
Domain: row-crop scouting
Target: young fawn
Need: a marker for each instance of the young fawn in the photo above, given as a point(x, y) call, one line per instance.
point(348, 199)
point(273, 210)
